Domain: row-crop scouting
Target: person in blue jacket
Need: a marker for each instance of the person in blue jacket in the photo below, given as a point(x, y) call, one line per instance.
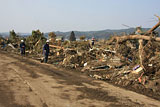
point(46, 51)
point(22, 47)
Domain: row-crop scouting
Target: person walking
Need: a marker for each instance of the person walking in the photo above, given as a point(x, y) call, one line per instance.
point(46, 51)
point(22, 47)
point(3, 44)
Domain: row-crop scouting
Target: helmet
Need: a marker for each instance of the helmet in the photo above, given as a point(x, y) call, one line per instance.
point(47, 41)
point(22, 40)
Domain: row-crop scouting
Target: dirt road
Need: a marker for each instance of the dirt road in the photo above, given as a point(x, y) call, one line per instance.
point(28, 83)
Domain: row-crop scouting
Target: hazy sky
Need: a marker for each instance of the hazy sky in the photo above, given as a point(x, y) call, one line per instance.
point(81, 15)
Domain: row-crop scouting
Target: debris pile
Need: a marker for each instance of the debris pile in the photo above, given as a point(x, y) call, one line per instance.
point(130, 61)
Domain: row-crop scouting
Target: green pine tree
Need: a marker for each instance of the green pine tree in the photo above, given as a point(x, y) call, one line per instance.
point(72, 37)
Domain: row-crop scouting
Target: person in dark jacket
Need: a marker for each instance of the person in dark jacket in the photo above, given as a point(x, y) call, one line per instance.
point(46, 51)
point(93, 40)
point(22, 47)
point(3, 44)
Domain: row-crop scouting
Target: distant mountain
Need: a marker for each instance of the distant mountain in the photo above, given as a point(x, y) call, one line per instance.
point(6, 34)
point(24, 34)
point(103, 34)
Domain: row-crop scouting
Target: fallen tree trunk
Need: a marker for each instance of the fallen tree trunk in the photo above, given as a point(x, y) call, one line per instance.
point(140, 38)
point(144, 37)
point(119, 39)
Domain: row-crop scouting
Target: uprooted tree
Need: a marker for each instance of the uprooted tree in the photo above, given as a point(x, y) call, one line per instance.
point(143, 40)
point(13, 37)
point(36, 40)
